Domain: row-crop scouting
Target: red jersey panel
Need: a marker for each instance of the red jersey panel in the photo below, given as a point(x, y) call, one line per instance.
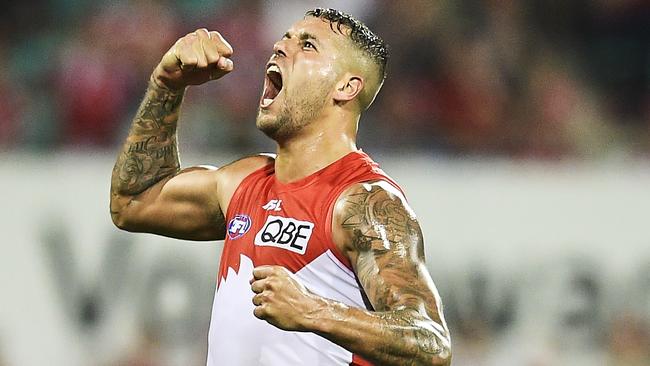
point(271, 223)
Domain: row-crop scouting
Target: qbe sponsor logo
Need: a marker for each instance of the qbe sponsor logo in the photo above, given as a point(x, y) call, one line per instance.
point(238, 226)
point(285, 233)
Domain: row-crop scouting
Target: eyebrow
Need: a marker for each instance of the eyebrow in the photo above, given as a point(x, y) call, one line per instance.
point(302, 36)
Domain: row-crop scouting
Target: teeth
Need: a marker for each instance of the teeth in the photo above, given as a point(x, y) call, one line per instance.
point(273, 68)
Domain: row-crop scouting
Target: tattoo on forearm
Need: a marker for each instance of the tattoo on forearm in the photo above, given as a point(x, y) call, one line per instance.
point(150, 152)
point(387, 237)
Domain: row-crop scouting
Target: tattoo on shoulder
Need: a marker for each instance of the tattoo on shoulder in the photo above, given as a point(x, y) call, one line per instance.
point(387, 237)
point(389, 265)
point(377, 220)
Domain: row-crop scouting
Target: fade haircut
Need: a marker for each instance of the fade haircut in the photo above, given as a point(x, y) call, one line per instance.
point(362, 37)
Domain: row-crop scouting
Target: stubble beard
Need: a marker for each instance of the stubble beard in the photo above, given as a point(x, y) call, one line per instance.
point(297, 111)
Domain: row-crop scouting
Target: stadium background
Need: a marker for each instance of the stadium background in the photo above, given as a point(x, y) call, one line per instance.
point(519, 129)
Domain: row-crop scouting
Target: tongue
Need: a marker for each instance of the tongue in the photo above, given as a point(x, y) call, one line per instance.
point(270, 93)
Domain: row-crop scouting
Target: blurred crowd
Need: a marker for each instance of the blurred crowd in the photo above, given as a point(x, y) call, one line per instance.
point(534, 78)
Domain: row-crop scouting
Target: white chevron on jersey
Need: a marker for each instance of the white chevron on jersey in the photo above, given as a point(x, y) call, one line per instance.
point(232, 319)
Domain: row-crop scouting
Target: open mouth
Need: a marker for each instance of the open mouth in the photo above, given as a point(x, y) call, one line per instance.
point(272, 85)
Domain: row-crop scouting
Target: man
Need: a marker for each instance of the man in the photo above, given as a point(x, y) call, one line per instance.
point(323, 260)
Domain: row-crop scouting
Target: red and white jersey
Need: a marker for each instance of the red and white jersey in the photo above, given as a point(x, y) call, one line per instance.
point(271, 223)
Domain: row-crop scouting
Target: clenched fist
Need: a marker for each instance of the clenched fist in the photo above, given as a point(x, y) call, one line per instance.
point(281, 300)
point(194, 59)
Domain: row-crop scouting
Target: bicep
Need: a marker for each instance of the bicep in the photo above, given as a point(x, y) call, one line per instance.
point(184, 206)
point(190, 205)
point(384, 242)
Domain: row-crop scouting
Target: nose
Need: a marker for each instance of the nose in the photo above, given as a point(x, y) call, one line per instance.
point(280, 48)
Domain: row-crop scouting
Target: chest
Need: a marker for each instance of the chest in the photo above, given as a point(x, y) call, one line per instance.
point(278, 227)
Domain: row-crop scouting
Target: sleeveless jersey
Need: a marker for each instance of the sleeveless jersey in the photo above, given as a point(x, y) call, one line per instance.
point(271, 223)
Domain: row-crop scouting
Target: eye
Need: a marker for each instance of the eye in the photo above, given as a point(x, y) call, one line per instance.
point(307, 44)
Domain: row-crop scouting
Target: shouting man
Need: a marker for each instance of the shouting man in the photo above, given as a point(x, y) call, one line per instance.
point(323, 259)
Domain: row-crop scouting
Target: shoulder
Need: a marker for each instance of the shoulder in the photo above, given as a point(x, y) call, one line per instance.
point(368, 211)
point(377, 187)
point(230, 176)
point(246, 165)
point(368, 195)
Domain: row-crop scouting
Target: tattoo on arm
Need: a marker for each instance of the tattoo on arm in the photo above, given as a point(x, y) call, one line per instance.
point(150, 152)
point(387, 239)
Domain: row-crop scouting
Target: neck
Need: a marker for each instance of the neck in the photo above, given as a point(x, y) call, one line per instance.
point(314, 147)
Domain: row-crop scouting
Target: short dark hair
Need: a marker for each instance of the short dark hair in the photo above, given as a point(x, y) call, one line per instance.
point(366, 40)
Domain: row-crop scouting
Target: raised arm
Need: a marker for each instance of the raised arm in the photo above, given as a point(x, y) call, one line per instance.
point(378, 231)
point(149, 191)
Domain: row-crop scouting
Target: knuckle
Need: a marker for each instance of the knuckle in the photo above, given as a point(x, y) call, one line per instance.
point(196, 44)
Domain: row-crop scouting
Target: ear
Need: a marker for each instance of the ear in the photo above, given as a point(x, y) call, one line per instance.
point(348, 88)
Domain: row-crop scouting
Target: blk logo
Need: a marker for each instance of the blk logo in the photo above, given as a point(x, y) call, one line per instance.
point(238, 226)
point(273, 205)
point(285, 233)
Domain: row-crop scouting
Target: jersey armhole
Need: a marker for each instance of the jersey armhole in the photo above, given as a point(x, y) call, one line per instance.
point(240, 188)
point(331, 202)
point(358, 361)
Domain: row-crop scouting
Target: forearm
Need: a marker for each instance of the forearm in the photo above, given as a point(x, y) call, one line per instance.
point(398, 337)
point(150, 152)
